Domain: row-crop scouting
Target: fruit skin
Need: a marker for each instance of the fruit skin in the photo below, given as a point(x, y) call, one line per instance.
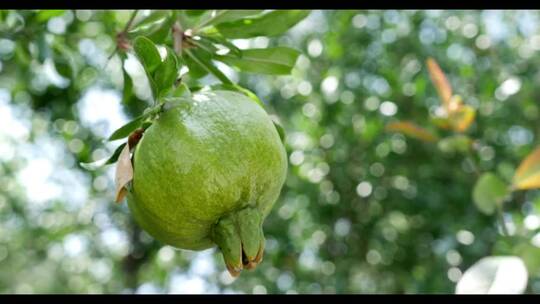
point(205, 160)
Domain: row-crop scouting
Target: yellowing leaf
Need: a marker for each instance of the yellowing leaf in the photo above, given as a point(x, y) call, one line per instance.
point(462, 118)
point(441, 122)
point(412, 130)
point(124, 174)
point(440, 81)
point(527, 175)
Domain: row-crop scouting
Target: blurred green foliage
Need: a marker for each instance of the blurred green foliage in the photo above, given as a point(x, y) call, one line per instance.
point(363, 210)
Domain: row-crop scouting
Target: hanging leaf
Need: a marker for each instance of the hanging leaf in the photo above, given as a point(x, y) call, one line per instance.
point(494, 275)
point(440, 81)
point(166, 74)
point(103, 162)
point(489, 193)
point(127, 91)
point(272, 61)
point(411, 129)
point(124, 174)
point(527, 175)
point(270, 24)
point(125, 130)
point(280, 130)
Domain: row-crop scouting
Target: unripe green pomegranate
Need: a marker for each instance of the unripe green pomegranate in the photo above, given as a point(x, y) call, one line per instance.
point(207, 172)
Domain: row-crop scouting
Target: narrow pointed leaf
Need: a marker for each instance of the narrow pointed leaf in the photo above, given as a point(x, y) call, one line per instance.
point(280, 130)
point(272, 61)
point(274, 23)
point(220, 16)
point(527, 175)
point(155, 17)
point(181, 90)
point(127, 91)
point(411, 129)
point(126, 129)
point(103, 162)
point(206, 63)
point(217, 39)
point(440, 81)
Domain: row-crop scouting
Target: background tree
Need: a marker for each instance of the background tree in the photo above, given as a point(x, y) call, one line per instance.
point(363, 210)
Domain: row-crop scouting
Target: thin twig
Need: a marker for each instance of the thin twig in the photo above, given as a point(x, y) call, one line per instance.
point(122, 33)
point(130, 21)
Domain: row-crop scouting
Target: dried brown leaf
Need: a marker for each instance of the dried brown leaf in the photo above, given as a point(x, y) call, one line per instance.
point(124, 174)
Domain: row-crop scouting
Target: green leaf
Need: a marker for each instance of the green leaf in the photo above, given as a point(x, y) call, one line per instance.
point(103, 162)
point(272, 61)
point(220, 16)
point(162, 33)
point(155, 27)
point(280, 130)
point(489, 193)
point(127, 129)
point(45, 15)
point(455, 143)
point(127, 92)
point(64, 60)
point(195, 13)
point(181, 90)
point(165, 76)
point(205, 45)
point(154, 17)
point(196, 71)
point(274, 23)
point(206, 63)
point(219, 40)
point(147, 53)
